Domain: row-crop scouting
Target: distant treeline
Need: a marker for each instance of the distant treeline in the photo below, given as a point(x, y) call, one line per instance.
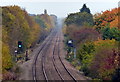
point(18, 25)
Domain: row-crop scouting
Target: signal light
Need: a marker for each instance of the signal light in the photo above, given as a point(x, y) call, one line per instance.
point(19, 44)
point(70, 43)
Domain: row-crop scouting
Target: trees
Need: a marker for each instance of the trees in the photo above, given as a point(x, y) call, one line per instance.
point(111, 33)
point(80, 18)
point(106, 18)
point(46, 22)
point(107, 24)
point(97, 45)
point(40, 21)
point(98, 58)
point(17, 25)
point(6, 58)
point(86, 34)
point(104, 61)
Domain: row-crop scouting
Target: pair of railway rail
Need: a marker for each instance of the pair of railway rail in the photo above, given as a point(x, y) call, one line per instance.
point(46, 44)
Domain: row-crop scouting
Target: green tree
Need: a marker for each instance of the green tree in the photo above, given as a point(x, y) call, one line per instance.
point(81, 19)
point(111, 33)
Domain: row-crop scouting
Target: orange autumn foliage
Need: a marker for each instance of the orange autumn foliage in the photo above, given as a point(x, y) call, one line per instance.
point(114, 23)
point(108, 17)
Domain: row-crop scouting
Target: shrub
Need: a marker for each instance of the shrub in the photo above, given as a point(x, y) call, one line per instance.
point(85, 55)
point(98, 58)
point(103, 65)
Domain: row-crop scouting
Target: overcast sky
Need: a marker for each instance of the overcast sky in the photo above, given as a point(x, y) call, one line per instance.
point(61, 8)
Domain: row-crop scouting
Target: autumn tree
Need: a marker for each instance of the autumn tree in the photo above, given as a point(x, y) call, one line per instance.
point(106, 18)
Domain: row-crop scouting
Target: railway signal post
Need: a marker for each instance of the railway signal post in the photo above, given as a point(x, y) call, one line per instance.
point(16, 54)
point(71, 45)
point(20, 46)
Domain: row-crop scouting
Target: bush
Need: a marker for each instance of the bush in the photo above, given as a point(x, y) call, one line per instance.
point(98, 58)
point(85, 55)
point(103, 65)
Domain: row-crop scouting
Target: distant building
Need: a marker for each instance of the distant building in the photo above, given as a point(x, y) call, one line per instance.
point(85, 9)
point(45, 11)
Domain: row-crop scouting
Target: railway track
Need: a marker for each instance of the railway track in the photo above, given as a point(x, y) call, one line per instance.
point(35, 59)
point(64, 65)
point(57, 45)
point(56, 68)
point(43, 48)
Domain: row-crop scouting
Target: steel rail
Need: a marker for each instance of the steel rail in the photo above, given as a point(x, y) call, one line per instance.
point(35, 60)
point(54, 60)
point(64, 65)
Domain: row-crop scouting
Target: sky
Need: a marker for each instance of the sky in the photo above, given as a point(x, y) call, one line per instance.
point(61, 8)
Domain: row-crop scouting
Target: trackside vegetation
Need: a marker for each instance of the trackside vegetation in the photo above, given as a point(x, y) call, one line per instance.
point(18, 25)
point(96, 38)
